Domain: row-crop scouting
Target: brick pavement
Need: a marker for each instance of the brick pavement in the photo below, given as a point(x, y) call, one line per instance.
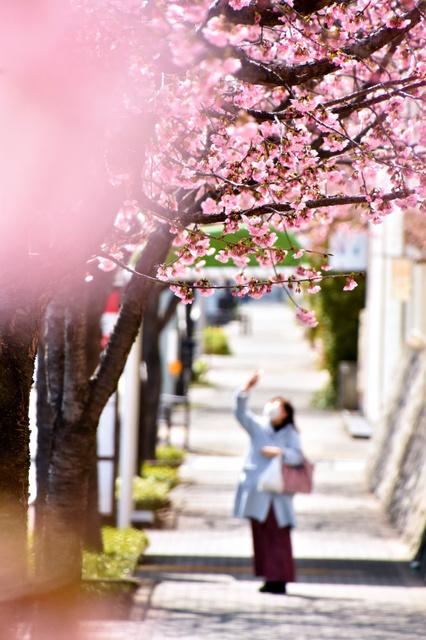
point(353, 577)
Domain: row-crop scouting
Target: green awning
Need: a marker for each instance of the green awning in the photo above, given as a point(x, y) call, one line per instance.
point(285, 241)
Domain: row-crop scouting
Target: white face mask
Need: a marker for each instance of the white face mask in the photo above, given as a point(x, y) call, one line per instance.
point(272, 410)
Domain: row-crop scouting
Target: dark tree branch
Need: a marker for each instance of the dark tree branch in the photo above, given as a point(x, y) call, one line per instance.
point(326, 201)
point(324, 153)
point(262, 73)
point(267, 13)
point(343, 110)
point(112, 362)
point(361, 93)
point(346, 110)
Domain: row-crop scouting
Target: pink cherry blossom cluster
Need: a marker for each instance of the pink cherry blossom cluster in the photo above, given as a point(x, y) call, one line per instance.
point(269, 119)
point(307, 317)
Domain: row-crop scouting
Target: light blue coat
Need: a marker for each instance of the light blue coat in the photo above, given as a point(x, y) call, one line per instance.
point(249, 502)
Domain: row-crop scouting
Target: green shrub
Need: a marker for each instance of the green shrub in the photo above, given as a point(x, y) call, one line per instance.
point(169, 456)
point(162, 473)
point(215, 341)
point(148, 493)
point(325, 398)
point(151, 494)
point(122, 549)
point(200, 369)
point(338, 316)
point(104, 566)
point(126, 542)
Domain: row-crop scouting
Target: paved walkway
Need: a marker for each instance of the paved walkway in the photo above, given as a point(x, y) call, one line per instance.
point(353, 580)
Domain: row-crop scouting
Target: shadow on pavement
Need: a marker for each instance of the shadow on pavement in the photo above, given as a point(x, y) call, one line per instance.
point(309, 570)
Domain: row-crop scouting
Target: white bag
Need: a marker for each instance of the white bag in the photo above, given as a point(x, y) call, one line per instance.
point(272, 478)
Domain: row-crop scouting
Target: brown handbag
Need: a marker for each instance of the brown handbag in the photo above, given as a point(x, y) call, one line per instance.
point(298, 479)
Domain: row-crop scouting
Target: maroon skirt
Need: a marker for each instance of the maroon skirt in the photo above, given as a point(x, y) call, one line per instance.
point(273, 556)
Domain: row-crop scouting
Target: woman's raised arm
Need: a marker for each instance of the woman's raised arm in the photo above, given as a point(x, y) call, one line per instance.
point(245, 417)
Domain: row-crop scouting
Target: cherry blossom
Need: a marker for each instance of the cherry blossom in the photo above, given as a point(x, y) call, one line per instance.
point(350, 284)
point(307, 317)
point(272, 119)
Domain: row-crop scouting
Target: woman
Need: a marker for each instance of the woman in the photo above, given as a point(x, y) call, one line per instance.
point(271, 514)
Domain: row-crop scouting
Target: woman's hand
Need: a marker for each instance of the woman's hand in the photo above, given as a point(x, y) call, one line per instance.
point(270, 452)
point(252, 381)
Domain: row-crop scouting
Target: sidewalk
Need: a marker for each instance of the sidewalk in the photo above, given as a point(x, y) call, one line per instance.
point(353, 581)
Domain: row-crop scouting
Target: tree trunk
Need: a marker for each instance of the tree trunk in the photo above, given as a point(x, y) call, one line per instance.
point(19, 331)
point(151, 386)
point(66, 507)
point(74, 434)
point(50, 377)
point(96, 298)
point(70, 454)
point(153, 324)
point(50, 383)
point(45, 419)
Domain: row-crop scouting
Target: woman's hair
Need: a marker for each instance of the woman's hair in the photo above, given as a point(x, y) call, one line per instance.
point(288, 407)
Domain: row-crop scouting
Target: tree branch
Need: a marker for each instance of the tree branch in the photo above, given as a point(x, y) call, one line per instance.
point(262, 73)
point(325, 154)
point(267, 13)
point(343, 110)
point(326, 201)
point(347, 110)
point(113, 360)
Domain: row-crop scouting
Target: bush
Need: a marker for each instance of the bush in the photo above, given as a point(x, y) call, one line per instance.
point(150, 494)
point(215, 342)
point(126, 542)
point(200, 369)
point(169, 456)
point(122, 549)
point(338, 316)
point(325, 398)
point(103, 566)
point(161, 473)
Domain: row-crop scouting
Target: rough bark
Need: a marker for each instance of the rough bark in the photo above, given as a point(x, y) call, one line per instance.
point(50, 386)
point(19, 329)
point(50, 375)
point(70, 458)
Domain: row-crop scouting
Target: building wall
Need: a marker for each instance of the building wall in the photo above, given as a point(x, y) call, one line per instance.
point(397, 469)
point(394, 377)
point(383, 339)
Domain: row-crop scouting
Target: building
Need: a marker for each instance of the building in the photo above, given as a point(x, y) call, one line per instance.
point(392, 378)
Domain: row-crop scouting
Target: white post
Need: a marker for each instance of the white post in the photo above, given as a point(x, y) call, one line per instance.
point(129, 404)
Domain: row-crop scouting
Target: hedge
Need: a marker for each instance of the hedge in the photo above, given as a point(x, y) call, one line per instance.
point(338, 317)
